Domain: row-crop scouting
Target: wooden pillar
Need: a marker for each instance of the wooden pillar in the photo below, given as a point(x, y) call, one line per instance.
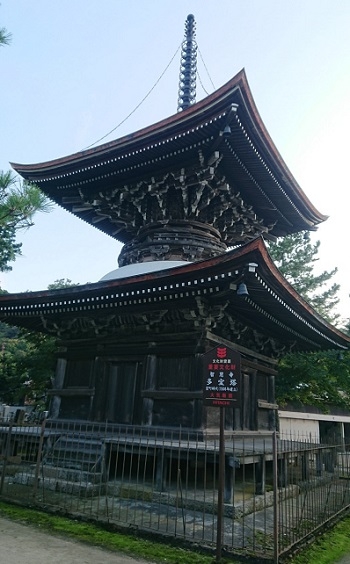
point(282, 472)
point(149, 384)
point(305, 466)
point(319, 463)
point(161, 469)
point(253, 401)
point(271, 399)
point(99, 383)
point(260, 471)
point(229, 480)
point(246, 401)
point(58, 384)
point(231, 463)
point(342, 434)
point(329, 460)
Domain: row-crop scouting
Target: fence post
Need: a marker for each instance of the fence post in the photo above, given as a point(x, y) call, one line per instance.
point(220, 515)
point(275, 497)
point(38, 459)
point(6, 456)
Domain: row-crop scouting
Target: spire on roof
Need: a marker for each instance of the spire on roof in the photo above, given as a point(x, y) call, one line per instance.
point(188, 67)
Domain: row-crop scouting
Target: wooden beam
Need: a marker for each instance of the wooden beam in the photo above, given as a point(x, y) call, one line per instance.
point(171, 394)
point(260, 367)
point(266, 405)
point(241, 349)
point(72, 392)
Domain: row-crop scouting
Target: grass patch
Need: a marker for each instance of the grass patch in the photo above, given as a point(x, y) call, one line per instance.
point(329, 547)
point(98, 536)
point(326, 549)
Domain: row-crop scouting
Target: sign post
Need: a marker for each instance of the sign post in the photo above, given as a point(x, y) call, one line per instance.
point(222, 388)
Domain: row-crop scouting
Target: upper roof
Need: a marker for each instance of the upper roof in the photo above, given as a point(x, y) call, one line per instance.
point(272, 319)
point(219, 142)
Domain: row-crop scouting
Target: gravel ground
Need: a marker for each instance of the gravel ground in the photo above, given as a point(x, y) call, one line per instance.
point(28, 545)
point(344, 560)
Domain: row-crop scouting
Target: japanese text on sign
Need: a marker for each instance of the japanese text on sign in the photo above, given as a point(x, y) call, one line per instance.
point(222, 377)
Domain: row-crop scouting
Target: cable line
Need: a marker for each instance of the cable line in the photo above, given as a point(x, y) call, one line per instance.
point(139, 104)
point(201, 83)
point(205, 66)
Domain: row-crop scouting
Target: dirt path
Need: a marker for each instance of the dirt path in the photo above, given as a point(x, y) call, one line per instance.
point(28, 545)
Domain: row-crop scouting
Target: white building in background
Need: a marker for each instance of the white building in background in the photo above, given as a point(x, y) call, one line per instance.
point(311, 424)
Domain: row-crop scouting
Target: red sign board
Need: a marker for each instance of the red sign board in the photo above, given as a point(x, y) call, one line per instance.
point(222, 377)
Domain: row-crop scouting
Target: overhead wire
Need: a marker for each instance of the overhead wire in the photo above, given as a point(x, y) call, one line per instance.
point(205, 66)
point(138, 105)
point(150, 91)
point(201, 83)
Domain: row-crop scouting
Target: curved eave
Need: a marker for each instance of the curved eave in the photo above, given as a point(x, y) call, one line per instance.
point(283, 303)
point(258, 127)
point(168, 134)
point(272, 305)
point(220, 100)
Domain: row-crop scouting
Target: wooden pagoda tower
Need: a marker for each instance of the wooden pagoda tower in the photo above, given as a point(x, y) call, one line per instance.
point(192, 198)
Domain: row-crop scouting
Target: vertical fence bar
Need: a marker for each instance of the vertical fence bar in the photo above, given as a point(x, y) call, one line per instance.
point(170, 449)
point(308, 496)
point(214, 484)
point(220, 505)
point(205, 483)
point(195, 485)
point(245, 528)
point(146, 450)
point(188, 469)
point(275, 498)
point(38, 459)
point(6, 456)
point(159, 454)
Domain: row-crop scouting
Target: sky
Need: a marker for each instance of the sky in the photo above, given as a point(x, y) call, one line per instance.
point(76, 69)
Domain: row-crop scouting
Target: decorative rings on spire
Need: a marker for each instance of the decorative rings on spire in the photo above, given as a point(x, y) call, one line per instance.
point(188, 67)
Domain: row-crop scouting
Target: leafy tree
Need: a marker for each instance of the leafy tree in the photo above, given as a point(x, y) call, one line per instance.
point(346, 329)
point(296, 256)
point(19, 201)
point(5, 36)
point(27, 359)
point(9, 249)
point(27, 362)
point(321, 379)
point(61, 283)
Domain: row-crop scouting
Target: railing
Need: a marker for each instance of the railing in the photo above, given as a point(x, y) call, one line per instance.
point(277, 491)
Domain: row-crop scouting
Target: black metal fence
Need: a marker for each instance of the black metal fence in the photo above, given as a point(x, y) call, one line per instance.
point(277, 491)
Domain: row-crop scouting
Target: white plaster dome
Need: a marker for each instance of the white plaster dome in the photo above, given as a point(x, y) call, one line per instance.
point(142, 268)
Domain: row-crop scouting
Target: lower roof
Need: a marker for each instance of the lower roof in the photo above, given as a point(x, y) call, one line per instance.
point(202, 292)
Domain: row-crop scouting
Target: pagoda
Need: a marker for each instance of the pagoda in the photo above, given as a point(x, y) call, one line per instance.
point(193, 198)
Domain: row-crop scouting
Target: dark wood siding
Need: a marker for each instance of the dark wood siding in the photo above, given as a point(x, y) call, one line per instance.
point(123, 398)
point(75, 407)
point(78, 373)
point(175, 373)
point(76, 394)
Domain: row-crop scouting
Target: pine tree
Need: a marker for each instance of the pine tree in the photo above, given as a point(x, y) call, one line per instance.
point(295, 256)
point(346, 327)
point(19, 201)
point(320, 379)
point(5, 36)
